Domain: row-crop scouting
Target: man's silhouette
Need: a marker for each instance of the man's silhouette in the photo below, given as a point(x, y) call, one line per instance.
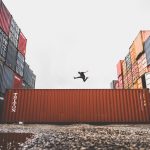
point(82, 76)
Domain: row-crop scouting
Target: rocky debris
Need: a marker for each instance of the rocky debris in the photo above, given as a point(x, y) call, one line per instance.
point(83, 136)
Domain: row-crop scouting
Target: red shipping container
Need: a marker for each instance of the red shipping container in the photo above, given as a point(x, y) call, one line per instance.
point(5, 18)
point(119, 67)
point(82, 106)
point(17, 82)
point(22, 44)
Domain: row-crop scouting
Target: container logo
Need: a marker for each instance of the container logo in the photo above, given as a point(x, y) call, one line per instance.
point(14, 103)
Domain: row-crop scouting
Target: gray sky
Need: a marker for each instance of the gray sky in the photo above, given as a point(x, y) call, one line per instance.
point(67, 36)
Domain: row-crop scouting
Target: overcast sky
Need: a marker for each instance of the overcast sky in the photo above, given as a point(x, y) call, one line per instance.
point(67, 36)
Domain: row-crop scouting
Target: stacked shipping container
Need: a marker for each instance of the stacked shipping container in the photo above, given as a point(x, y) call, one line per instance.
point(136, 65)
point(12, 56)
point(12, 53)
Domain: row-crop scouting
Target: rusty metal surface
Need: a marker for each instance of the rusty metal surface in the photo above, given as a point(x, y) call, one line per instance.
point(82, 105)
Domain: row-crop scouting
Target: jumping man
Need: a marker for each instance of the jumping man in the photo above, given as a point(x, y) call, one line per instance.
point(82, 76)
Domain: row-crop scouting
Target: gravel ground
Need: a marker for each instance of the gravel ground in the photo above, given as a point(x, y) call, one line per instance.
point(82, 136)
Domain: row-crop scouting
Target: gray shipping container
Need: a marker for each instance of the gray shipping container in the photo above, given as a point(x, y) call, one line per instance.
point(28, 76)
point(14, 33)
point(25, 86)
point(20, 64)
point(26, 72)
point(33, 80)
point(113, 84)
point(147, 50)
point(3, 45)
point(6, 78)
point(11, 58)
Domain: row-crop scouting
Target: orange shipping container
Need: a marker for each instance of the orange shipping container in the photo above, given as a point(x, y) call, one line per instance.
point(139, 41)
point(139, 82)
point(138, 44)
point(124, 67)
point(136, 85)
point(132, 53)
point(125, 81)
point(82, 105)
point(130, 79)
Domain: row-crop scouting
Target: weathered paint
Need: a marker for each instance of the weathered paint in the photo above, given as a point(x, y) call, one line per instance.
point(72, 105)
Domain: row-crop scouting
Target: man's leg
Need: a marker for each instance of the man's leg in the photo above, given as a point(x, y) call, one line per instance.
point(85, 79)
point(76, 77)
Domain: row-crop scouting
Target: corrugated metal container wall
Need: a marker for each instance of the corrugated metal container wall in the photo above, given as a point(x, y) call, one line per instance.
point(147, 50)
point(17, 82)
point(29, 76)
point(120, 81)
point(125, 81)
point(5, 18)
point(142, 64)
point(3, 45)
point(20, 64)
point(119, 68)
point(22, 44)
point(124, 67)
point(14, 33)
point(33, 80)
point(130, 79)
point(128, 61)
point(135, 72)
point(138, 44)
point(11, 58)
point(132, 53)
point(145, 35)
point(47, 106)
point(6, 78)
